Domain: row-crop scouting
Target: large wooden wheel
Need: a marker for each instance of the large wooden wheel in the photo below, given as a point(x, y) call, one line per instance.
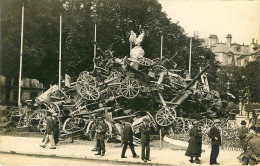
point(85, 79)
point(115, 82)
point(188, 124)
point(74, 123)
point(165, 116)
point(89, 93)
point(90, 128)
point(129, 88)
point(179, 125)
point(206, 123)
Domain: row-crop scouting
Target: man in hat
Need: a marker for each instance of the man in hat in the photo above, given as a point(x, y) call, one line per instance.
point(127, 139)
point(242, 132)
point(195, 143)
point(145, 139)
point(101, 130)
point(56, 130)
point(253, 150)
point(49, 132)
point(214, 134)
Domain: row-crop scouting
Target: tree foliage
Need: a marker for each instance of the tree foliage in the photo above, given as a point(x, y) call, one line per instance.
point(114, 20)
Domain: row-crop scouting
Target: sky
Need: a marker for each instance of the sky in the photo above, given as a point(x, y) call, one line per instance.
point(241, 18)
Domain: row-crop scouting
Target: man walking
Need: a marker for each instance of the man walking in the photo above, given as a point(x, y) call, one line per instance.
point(101, 130)
point(49, 132)
point(214, 134)
point(127, 139)
point(145, 140)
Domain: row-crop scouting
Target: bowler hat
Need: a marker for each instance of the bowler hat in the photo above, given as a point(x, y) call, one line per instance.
point(243, 122)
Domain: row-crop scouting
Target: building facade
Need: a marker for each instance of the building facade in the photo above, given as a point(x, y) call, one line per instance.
point(232, 54)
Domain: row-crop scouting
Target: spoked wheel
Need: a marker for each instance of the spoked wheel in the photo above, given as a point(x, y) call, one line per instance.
point(89, 93)
point(73, 123)
point(179, 125)
point(91, 130)
point(144, 61)
point(85, 79)
point(129, 88)
point(53, 107)
point(206, 123)
point(115, 82)
point(188, 124)
point(165, 116)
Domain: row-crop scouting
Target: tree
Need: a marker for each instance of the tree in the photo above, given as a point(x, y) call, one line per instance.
point(114, 21)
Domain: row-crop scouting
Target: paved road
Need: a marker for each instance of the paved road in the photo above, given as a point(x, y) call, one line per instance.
point(15, 159)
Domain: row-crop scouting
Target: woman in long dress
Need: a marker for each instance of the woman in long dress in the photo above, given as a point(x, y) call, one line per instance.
point(195, 143)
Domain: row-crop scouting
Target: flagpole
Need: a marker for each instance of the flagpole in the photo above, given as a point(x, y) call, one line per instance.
point(60, 51)
point(190, 58)
point(161, 46)
point(95, 47)
point(21, 60)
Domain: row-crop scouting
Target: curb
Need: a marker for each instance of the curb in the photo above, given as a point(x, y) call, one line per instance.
point(89, 159)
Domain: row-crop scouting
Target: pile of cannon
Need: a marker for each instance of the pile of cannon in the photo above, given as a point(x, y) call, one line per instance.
point(127, 89)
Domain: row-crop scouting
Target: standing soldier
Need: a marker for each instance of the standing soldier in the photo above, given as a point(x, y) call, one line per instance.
point(214, 134)
point(195, 143)
point(56, 130)
point(127, 139)
point(145, 140)
point(253, 150)
point(101, 130)
point(49, 132)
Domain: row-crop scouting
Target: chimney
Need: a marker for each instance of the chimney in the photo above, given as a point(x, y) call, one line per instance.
point(256, 42)
point(253, 41)
point(229, 40)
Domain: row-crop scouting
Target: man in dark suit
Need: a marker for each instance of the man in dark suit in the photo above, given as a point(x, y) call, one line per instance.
point(253, 150)
point(145, 140)
point(214, 134)
point(56, 130)
point(49, 132)
point(127, 139)
point(101, 130)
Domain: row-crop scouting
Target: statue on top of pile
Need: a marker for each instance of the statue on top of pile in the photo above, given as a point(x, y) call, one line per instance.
point(137, 51)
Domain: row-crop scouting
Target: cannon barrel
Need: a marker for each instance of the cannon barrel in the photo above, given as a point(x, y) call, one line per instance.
point(176, 98)
point(123, 117)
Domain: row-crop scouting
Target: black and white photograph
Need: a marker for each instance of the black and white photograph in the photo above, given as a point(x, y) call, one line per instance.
point(129, 82)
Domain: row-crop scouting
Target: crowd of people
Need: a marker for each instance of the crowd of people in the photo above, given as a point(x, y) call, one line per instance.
point(249, 140)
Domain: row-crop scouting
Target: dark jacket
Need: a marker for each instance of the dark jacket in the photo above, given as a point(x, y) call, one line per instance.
point(127, 134)
point(242, 132)
point(214, 132)
point(247, 139)
point(253, 147)
point(101, 130)
point(195, 143)
point(145, 133)
point(49, 126)
point(56, 130)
